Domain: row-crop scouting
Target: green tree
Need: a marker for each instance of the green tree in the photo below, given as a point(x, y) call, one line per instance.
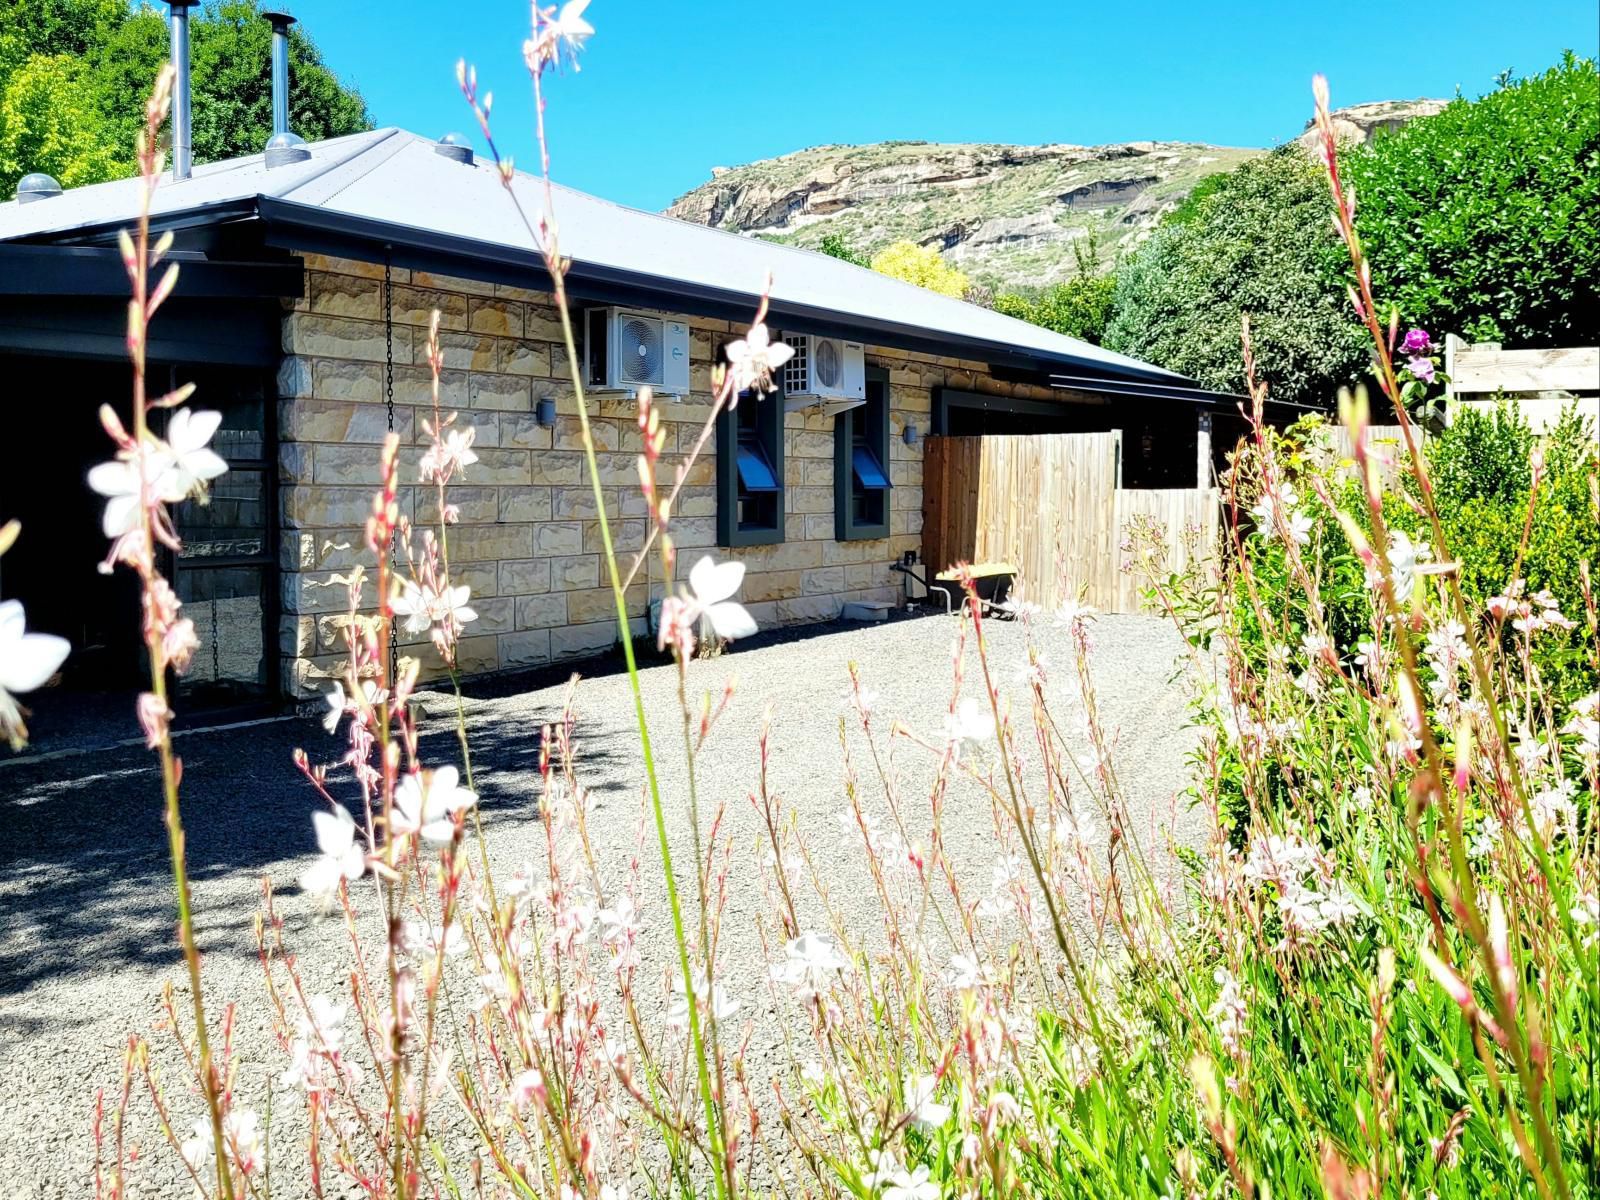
point(49, 122)
point(1079, 307)
point(1255, 241)
point(834, 246)
point(118, 51)
point(1484, 220)
point(78, 28)
point(922, 266)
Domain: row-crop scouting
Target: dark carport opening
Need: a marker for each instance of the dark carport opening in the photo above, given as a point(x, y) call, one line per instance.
point(224, 575)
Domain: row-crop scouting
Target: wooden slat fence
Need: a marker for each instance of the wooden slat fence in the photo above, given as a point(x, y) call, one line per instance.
point(1050, 505)
point(1542, 383)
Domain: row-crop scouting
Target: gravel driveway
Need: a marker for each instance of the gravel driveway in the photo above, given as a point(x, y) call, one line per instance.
point(86, 938)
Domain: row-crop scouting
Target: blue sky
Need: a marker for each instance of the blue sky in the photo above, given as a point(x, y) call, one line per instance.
point(669, 89)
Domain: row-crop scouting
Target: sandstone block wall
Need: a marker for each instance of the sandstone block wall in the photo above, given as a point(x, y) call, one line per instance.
point(528, 540)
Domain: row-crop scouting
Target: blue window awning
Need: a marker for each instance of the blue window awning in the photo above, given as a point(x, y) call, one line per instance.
point(869, 471)
point(755, 469)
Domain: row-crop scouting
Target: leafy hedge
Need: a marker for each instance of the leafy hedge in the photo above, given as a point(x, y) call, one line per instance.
point(1485, 219)
point(1079, 308)
point(1254, 241)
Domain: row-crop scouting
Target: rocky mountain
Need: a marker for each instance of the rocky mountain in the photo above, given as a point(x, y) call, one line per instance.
point(1009, 216)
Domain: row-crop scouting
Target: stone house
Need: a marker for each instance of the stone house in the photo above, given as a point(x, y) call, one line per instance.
point(308, 280)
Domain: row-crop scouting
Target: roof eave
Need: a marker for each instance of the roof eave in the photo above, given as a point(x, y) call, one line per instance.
point(292, 225)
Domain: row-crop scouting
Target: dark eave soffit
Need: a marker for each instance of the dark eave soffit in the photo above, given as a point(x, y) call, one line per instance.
point(32, 270)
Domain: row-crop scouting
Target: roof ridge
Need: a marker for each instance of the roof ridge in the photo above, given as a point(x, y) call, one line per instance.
point(308, 191)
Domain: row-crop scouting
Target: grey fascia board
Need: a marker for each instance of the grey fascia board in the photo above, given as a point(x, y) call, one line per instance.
point(1197, 396)
point(105, 233)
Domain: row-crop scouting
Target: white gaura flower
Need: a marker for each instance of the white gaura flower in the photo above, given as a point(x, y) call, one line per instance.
point(419, 940)
point(448, 454)
point(321, 1025)
point(341, 856)
point(969, 725)
point(913, 1186)
point(754, 358)
point(336, 707)
point(241, 1131)
point(173, 470)
point(965, 973)
point(620, 920)
point(554, 34)
point(808, 961)
point(862, 699)
point(1584, 725)
point(723, 1005)
point(423, 606)
point(711, 585)
point(882, 1167)
point(27, 660)
point(118, 481)
point(317, 1041)
point(926, 1112)
point(193, 462)
point(425, 802)
point(1267, 510)
point(339, 703)
point(1072, 613)
point(1404, 556)
point(241, 1137)
point(1586, 915)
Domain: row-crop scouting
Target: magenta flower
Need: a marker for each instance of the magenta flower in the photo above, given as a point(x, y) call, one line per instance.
point(1417, 343)
point(1422, 368)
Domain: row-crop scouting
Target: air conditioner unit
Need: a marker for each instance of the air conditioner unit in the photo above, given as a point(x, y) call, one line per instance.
point(624, 351)
point(829, 372)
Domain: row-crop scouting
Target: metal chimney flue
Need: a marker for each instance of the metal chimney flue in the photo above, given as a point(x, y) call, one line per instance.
point(284, 146)
point(182, 110)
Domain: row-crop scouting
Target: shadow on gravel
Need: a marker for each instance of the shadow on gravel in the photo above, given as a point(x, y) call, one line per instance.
point(85, 880)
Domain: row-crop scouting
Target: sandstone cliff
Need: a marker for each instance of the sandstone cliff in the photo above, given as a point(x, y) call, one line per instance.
point(1009, 216)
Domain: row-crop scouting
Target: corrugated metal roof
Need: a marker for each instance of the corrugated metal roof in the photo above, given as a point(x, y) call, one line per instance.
point(394, 180)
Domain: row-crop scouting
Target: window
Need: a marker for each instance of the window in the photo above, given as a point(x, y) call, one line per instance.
point(750, 471)
point(861, 464)
point(224, 575)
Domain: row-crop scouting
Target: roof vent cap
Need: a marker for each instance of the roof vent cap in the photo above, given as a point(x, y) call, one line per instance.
point(285, 148)
point(37, 186)
point(455, 147)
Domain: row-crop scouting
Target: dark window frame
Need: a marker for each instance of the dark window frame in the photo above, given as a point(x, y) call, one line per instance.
point(864, 427)
point(768, 424)
point(266, 560)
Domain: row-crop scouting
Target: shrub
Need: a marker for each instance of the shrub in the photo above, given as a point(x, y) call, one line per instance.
point(1484, 220)
point(834, 246)
point(1502, 529)
point(922, 266)
point(1079, 308)
point(1254, 241)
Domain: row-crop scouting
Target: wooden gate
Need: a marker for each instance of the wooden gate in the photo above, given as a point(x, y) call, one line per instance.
point(1049, 505)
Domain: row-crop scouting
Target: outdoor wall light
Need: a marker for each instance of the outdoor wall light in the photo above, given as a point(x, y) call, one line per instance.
point(545, 412)
point(910, 435)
